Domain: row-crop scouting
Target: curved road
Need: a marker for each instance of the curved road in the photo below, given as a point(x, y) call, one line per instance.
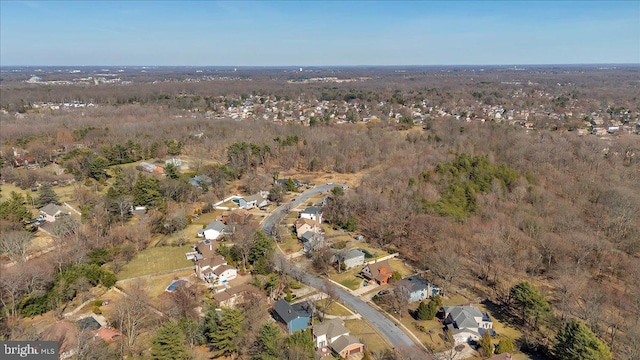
point(385, 326)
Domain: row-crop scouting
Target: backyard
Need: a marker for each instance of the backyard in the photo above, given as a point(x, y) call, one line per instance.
point(156, 260)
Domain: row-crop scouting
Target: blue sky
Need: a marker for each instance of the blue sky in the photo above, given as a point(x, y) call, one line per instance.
point(270, 33)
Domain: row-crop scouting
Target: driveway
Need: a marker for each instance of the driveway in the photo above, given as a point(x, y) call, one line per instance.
point(385, 326)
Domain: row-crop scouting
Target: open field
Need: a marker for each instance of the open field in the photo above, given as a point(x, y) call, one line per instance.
point(367, 334)
point(155, 260)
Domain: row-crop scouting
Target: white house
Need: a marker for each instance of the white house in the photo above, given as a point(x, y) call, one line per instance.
point(51, 212)
point(351, 258)
point(312, 213)
point(249, 202)
point(467, 323)
point(328, 331)
point(212, 231)
point(205, 268)
point(224, 273)
point(303, 225)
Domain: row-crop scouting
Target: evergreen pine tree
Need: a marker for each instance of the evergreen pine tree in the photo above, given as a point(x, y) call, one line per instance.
point(485, 344)
point(505, 345)
point(223, 331)
point(576, 342)
point(169, 343)
point(423, 311)
point(270, 342)
point(46, 195)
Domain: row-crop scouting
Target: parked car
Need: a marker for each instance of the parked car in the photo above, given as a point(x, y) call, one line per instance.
point(383, 292)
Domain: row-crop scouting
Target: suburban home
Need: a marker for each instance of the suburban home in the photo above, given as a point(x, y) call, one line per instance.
point(200, 180)
point(239, 216)
point(312, 213)
point(350, 258)
point(333, 334)
point(303, 225)
point(149, 168)
point(213, 231)
point(51, 212)
point(467, 323)
point(224, 273)
point(205, 268)
point(380, 272)
point(229, 297)
point(203, 250)
point(347, 345)
point(328, 331)
point(418, 288)
point(296, 316)
point(249, 202)
point(311, 241)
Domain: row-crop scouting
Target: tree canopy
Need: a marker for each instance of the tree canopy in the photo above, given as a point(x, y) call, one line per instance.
point(576, 342)
point(169, 343)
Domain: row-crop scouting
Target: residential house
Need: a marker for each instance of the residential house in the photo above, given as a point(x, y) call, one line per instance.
point(347, 345)
point(312, 213)
point(200, 180)
point(303, 225)
point(328, 331)
point(213, 231)
point(351, 258)
point(230, 297)
point(205, 268)
point(224, 273)
point(239, 216)
point(467, 323)
point(295, 316)
point(249, 202)
point(205, 249)
point(311, 241)
point(51, 212)
point(333, 334)
point(418, 288)
point(380, 272)
point(150, 168)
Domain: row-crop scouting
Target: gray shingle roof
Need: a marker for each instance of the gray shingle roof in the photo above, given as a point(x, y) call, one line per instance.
point(288, 312)
point(331, 328)
point(53, 209)
point(343, 341)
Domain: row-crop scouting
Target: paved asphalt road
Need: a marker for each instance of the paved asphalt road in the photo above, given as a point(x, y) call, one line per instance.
point(385, 326)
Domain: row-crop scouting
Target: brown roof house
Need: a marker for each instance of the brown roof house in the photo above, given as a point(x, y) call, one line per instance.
point(333, 334)
point(303, 225)
point(380, 272)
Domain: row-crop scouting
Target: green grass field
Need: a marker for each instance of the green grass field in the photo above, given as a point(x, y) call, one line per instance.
point(155, 260)
point(369, 337)
point(335, 309)
point(348, 278)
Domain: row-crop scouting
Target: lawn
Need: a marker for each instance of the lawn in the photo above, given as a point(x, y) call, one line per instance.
point(289, 244)
point(156, 285)
point(348, 278)
point(399, 266)
point(367, 334)
point(430, 339)
point(155, 260)
point(335, 309)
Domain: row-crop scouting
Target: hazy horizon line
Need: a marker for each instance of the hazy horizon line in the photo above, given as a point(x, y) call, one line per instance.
point(327, 66)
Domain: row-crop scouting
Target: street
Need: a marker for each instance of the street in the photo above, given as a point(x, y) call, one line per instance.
point(385, 326)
